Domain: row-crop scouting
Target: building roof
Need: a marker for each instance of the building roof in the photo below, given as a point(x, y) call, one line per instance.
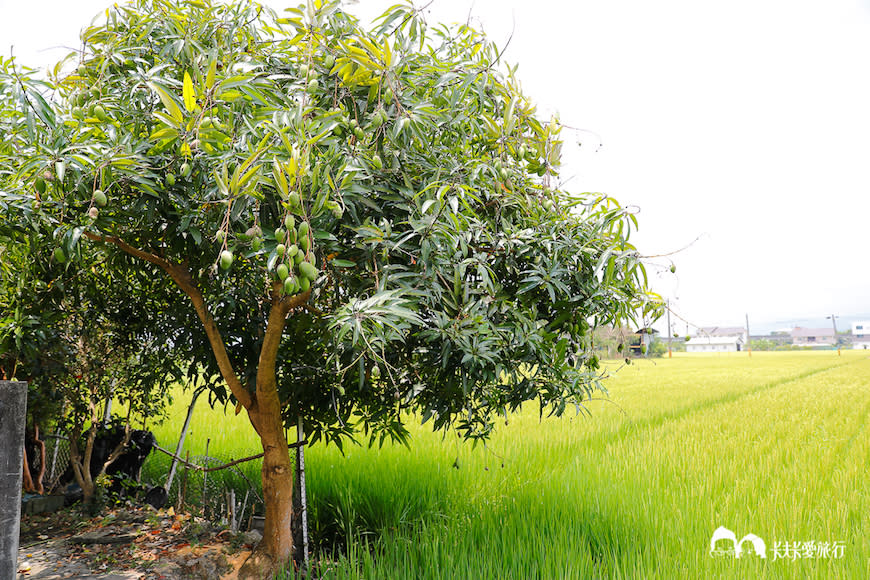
point(622, 331)
point(721, 330)
point(647, 330)
point(715, 340)
point(799, 332)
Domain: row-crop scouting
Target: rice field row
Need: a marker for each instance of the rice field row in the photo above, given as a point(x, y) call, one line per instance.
point(776, 445)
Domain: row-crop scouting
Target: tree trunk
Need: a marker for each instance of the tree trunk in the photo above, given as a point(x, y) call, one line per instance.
point(81, 461)
point(278, 495)
point(40, 475)
point(263, 406)
point(276, 548)
point(26, 478)
point(82, 474)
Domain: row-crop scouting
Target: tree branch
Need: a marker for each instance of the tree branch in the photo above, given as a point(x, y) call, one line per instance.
point(313, 310)
point(225, 465)
point(182, 278)
point(281, 306)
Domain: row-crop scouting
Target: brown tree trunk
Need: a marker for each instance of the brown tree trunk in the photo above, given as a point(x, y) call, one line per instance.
point(26, 478)
point(40, 475)
point(276, 548)
point(263, 406)
point(31, 484)
point(81, 462)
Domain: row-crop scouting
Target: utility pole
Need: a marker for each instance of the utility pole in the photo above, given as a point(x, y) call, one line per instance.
point(748, 336)
point(669, 328)
point(13, 410)
point(833, 320)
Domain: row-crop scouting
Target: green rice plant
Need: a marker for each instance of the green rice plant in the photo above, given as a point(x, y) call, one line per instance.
point(776, 444)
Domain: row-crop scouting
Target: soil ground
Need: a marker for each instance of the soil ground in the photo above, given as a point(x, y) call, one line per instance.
point(128, 544)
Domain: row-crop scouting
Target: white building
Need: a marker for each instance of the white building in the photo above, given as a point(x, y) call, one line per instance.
point(715, 344)
point(716, 331)
point(816, 337)
point(861, 335)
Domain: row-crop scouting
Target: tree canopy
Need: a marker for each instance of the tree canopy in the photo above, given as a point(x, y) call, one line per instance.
point(366, 223)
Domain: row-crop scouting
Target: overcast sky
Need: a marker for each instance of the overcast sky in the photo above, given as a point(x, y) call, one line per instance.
point(741, 129)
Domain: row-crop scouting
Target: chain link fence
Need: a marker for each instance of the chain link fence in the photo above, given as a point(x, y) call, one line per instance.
point(57, 455)
point(218, 490)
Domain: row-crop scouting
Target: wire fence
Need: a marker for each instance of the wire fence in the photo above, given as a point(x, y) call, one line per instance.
point(218, 490)
point(57, 455)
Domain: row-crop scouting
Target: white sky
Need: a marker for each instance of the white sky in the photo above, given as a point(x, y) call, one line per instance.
point(745, 124)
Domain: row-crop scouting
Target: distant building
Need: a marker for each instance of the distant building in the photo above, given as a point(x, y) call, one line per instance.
point(813, 337)
point(861, 335)
point(776, 338)
point(642, 340)
point(634, 342)
point(715, 344)
point(723, 331)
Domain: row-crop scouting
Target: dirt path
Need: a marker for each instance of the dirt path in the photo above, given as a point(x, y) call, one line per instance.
point(51, 560)
point(128, 544)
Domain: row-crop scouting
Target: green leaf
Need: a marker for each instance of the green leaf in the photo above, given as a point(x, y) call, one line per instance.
point(168, 102)
point(71, 240)
point(280, 178)
point(163, 132)
point(210, 75)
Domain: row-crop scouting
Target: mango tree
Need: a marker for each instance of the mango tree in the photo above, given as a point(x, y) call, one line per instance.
point(367, 224)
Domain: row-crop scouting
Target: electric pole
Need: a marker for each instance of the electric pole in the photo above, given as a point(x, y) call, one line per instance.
point(669, 328)
point(748, 336)
point(833, 319)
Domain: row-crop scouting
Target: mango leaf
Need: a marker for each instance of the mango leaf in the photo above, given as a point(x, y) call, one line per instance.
point(280, 178)
point(210, 75)
point(163, 133)
point(187, 92)
point(168, 102)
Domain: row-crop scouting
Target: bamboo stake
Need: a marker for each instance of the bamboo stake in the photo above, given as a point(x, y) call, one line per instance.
point(300, 462)
point(205, 479)
point(180, 445)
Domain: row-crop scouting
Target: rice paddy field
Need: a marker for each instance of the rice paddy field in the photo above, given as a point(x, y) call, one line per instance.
point(776, 445)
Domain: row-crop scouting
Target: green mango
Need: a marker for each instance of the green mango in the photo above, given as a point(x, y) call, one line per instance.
point(308, 270)
point(302, 230)
point(100, 198)
point(226, 259)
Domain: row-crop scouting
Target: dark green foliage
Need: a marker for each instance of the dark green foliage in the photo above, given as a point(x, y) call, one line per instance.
point(423, 186)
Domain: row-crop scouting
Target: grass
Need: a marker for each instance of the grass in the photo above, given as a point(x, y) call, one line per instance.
point(776, 445)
